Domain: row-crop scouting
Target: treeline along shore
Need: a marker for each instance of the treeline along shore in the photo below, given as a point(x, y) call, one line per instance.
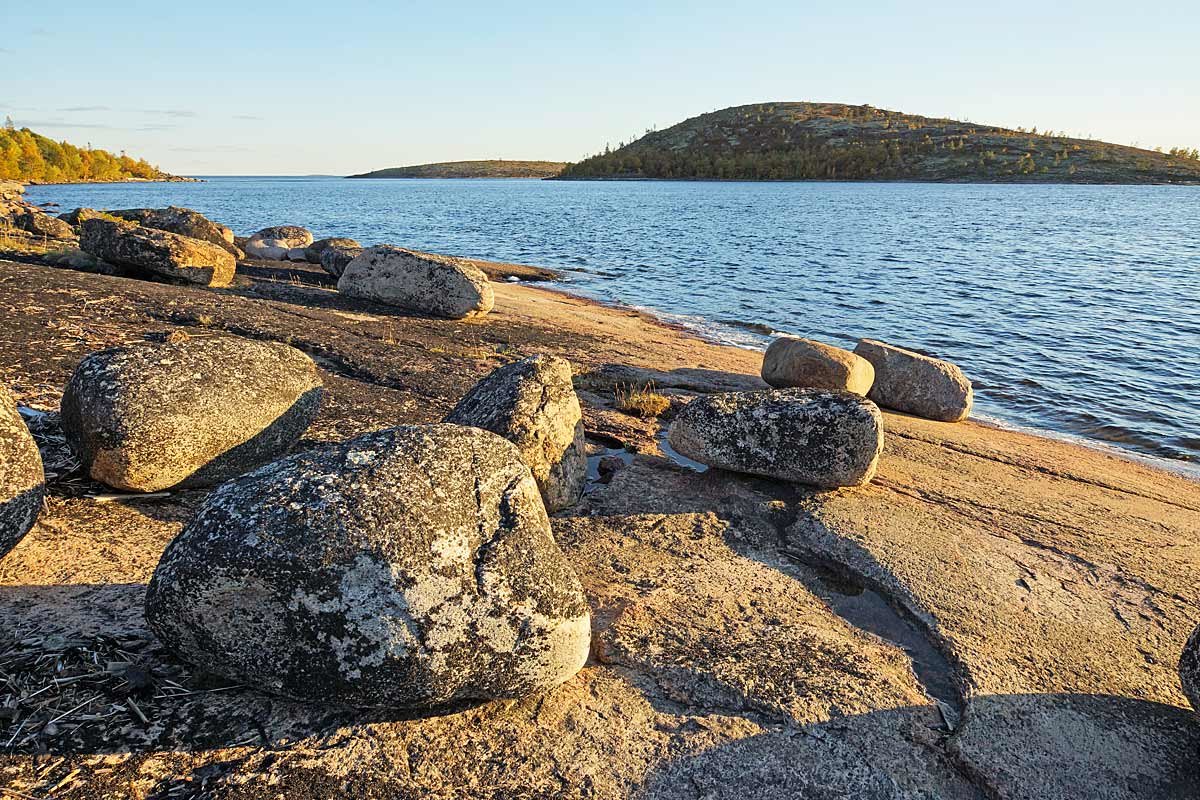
point(288, 515)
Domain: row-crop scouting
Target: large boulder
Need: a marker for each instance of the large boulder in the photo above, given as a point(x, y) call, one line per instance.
point(532, 403)
point(22, 481)
point(424, 283)
point(409, 567)
point(334, 259)
point(1189, 669)
point(791, 361)
point(915, 383)
point(183, 221)
point(76, 217)
point(273, 244)
point(192, 413)
point(167, 254)
point(313, 252)
point(811, 436)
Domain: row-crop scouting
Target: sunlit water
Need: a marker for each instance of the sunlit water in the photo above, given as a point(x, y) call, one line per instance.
point(1075, 309)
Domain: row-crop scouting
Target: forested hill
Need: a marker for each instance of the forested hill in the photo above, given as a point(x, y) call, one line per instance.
point(30, 157)
point(830, 141)
point(471, 169)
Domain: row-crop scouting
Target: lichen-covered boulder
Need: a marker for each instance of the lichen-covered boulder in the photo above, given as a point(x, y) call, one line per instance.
point(76, 217)
point(811, 436)
point(313, 252)
point(424, 283)
point(155, 416)
point(532, 403)
point(274, 243)
point(1189, 669)
point(791, 361)
point(160, 252)
point(183, 221)
point(335, 258)
point(915, 383)
point(22, 481)
point(409, 567)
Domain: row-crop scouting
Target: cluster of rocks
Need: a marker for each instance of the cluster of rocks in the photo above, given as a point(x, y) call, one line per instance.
point(409, 567)
point(183, 245)
point(18, 214)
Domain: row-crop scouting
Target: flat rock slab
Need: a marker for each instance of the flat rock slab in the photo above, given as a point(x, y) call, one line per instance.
point(193, 413)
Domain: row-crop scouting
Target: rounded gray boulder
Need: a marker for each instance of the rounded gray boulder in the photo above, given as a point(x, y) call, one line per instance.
point(22, 481)
point(312, 253)
point(424, 283)
point(917, 384)
point(193, 413)
point(410, 567)
point(1189, 669)
point(791, 361)
point(811, 436)
point(532, 403)
point(335, 258)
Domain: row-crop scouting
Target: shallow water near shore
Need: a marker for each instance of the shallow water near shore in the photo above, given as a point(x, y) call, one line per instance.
point(1075, 309)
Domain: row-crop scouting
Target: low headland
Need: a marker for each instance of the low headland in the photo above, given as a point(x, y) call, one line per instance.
point(975, 613)
point(471, 169)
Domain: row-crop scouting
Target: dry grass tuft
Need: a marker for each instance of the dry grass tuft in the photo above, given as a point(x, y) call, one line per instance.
point(641, 401)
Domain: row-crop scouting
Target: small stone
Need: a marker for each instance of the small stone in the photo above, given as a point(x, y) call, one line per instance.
point(22, 481)
point(188, 413)
point(533, 404)
point(410, 567)
point(420, 282)
point(791, 361)
point(811, 436)
point(917, 384)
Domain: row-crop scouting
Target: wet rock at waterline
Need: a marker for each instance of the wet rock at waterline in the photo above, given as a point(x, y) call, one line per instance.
point(810, 436)
point(410, 567)
point(194, 413)
point(532, 403)
point(1189, 669)
point(22, 481)
point(313, 252)
point(423, 283)
point(791, 361)
point(160, 252)
point(275, 243)
point(915, 383)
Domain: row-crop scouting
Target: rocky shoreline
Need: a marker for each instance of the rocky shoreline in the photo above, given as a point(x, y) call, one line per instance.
point(989, 614)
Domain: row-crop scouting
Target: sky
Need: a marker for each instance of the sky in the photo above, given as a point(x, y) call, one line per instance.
point(269, 88)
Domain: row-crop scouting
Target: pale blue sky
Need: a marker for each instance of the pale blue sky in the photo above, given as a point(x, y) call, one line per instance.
point(294, 88)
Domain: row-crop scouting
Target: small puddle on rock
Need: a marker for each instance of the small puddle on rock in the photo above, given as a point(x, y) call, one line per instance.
point(594, 477)
point(868, 610)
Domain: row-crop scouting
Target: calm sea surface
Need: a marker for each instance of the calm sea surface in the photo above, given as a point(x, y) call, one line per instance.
point(1075, 309)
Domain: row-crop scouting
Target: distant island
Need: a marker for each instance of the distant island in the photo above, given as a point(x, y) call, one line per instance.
point(29, 157)
point(471, 169)
point(833, 141)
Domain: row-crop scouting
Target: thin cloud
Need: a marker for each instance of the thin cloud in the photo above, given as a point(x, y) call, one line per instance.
point(248, 116)
point(170, 112)
point(62, 124)
point(219, 148)
point(81, 109)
